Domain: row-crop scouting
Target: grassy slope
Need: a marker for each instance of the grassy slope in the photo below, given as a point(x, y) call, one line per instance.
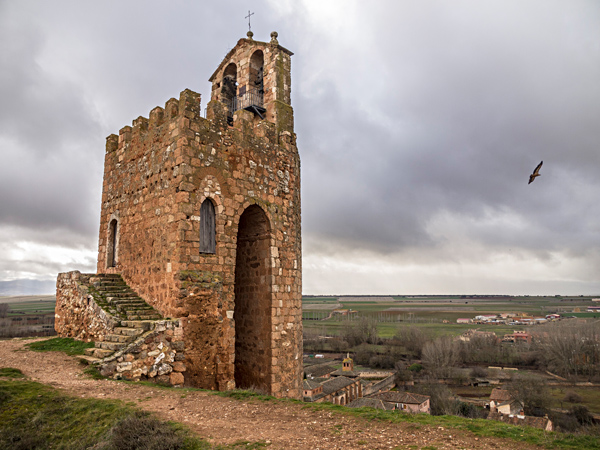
point(34, 416)
point(66, 345)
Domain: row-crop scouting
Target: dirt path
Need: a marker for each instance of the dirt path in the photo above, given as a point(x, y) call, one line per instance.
point(222, 420)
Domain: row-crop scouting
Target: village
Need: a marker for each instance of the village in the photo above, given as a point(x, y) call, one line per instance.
point(380, 389)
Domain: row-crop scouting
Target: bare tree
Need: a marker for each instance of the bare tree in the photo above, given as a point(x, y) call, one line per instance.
point(532, 392)
point(441, 356)
point(363, 331)
point(572, 348)
point(4, 308)
point(413, 339)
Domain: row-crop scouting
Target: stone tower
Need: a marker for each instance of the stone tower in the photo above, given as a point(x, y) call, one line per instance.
point(201, 217)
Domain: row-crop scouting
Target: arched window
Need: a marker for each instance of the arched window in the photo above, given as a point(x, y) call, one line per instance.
point(229, 90)
point(112, 241)
point(207, 227)
point(256, 81)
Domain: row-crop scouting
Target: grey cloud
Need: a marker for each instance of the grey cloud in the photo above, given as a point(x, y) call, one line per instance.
point(405, 112)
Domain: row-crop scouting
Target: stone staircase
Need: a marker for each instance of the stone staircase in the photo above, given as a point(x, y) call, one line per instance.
point(134, 316)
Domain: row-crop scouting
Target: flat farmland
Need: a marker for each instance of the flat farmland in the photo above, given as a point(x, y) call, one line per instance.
point(437, 314)
point(30, 304)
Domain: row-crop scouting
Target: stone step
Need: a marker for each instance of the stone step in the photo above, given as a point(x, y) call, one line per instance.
point(136, 317)
point(126, 301)
point(138, 324)
point(114, 346)
point(118, 338)
point(126, 331)
point(135, 309)
point(124, 296)
point(114, 289)
point(88, 359)
point(98, 352)
point(112, 283)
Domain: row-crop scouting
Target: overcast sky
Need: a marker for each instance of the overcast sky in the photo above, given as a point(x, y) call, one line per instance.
point(418, 125)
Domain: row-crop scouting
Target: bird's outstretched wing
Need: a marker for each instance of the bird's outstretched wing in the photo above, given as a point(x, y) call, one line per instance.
point(536, 172)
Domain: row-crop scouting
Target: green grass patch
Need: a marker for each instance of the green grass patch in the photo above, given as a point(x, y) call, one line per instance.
point(32, 307)
point(9, 372)
point(93, 372)
point(34, 416)
point(66, 345)
point(244, 394)
point(590, 397)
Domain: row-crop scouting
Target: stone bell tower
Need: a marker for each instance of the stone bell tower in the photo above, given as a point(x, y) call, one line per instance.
point(201, 216)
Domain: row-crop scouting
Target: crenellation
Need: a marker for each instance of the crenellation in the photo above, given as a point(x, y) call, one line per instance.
point(157, 117)
point(171, 110)
point(140, 127)
point(124, 136)
point(112, 142)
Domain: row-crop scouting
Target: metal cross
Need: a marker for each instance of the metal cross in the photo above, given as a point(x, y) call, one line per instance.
point(248, 17)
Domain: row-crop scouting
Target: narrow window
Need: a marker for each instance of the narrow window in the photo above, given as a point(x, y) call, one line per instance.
point(207, 227)
point(111, 257)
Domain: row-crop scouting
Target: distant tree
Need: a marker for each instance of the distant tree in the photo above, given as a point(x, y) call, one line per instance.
point(339, 345)
point(478, 372)
point(572, 348)
point(362, 331)
point(441, 356)
point(4, 308)
point(441, 399)
point(532, 392)
point(572, 397)
point(413, 339)
point(403, 374)
point(582, 414)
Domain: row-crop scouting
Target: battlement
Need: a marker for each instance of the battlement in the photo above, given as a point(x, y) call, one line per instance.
point(188, 107)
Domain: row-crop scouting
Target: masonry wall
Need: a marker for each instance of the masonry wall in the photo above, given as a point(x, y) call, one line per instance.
point(77, 315)
point(157, 174)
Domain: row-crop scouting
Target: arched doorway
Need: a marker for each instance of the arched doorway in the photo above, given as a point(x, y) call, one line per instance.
point(252, 311)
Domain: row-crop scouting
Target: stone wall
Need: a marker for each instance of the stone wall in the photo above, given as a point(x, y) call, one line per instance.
point(383, 385)
point(537, 422)
point(77, 314)
point(157, 355)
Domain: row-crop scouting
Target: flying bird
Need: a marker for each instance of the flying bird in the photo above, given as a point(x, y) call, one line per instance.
point(536, 172)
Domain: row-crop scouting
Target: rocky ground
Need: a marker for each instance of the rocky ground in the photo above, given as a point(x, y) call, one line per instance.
point(222, 420)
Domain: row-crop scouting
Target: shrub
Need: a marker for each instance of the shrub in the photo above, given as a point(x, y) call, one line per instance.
point(416, 368)
point(566, 423)
point(572, 397)
point(382, 362)
point(142, 431)
point(478, 372)
point(582, 414)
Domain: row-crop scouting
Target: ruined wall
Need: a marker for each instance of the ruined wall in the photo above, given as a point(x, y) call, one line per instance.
point(77, 314)
point(157, 175)
point(158, 355)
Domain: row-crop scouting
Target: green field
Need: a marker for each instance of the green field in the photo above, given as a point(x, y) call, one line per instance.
point(436, 314)
point(33, 307)
point(29, 304)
